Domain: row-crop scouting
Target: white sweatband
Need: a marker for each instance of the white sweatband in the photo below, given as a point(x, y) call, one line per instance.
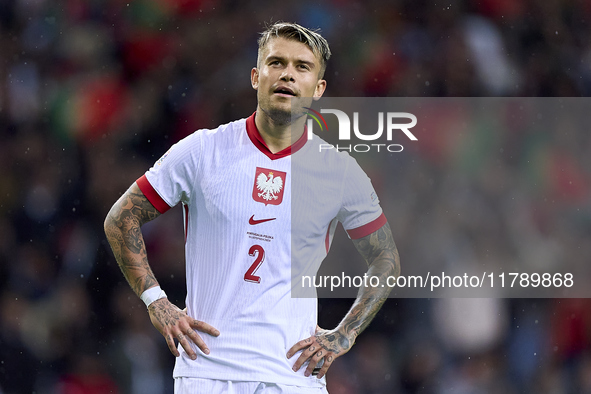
point(152, 294)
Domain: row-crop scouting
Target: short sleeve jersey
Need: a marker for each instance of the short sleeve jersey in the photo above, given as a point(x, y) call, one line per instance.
point(246, 210)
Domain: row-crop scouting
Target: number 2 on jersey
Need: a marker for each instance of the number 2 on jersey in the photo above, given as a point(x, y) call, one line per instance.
point(249, 276)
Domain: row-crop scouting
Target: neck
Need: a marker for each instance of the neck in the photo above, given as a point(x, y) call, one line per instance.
point(278, 136)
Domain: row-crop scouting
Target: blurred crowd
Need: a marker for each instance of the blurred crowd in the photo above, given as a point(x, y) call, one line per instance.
point(93, 92)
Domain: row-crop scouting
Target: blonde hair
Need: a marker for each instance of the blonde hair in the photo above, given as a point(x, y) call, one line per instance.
point(293, 31)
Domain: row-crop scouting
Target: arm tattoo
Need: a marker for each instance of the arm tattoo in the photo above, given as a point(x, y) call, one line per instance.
point(122, 227)
point(380, 253)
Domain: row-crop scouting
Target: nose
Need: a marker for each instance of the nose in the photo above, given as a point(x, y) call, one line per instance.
point(287, 75)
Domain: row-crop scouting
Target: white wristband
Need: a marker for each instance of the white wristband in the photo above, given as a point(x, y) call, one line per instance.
point(152, 294)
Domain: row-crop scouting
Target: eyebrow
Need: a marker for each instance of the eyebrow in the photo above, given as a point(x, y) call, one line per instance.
point(299, 61)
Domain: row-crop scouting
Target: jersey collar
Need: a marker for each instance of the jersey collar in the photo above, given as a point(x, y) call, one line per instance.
point(257, 140)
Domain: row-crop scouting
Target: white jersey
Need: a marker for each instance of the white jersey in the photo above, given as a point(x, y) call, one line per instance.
point(239, 200)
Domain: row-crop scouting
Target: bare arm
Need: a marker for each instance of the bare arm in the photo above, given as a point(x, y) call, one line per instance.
point(122, 227)
point(380, 253)
point(123, 230)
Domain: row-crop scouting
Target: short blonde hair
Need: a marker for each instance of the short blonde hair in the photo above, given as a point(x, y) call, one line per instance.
point(293, 31)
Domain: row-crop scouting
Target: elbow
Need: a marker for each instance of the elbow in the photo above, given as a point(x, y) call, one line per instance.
point(109, 222)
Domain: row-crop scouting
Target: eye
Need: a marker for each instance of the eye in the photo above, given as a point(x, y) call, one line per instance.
point(275, 63)
point(304, 67)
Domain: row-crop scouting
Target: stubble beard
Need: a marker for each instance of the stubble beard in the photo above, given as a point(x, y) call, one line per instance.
point(281, 116)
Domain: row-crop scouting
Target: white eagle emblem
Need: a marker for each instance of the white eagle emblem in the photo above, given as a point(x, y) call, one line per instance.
point(269, 186)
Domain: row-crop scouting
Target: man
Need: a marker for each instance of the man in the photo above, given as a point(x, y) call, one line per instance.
point(242, 331)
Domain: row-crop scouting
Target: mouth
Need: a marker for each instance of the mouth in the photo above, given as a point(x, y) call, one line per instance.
point(284, 92)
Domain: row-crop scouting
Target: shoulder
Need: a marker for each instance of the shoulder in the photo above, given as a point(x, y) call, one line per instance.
point(192, 147)
point(228, 130)
point(222, 137)
point(201, 139)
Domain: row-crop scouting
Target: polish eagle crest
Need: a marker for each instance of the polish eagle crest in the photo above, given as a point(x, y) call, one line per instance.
point(269, 186)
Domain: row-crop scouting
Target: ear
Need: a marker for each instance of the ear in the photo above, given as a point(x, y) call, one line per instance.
point(320, 88)
point(254, 78)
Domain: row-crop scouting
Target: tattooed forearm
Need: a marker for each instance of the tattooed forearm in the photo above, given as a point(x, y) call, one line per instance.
point(380, 253)
point(122, 227)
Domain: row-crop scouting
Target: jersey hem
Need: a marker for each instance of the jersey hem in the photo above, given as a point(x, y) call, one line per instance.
point(318, 383)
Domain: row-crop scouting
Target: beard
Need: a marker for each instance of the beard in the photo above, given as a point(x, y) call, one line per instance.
point(279, 116)
point(285, 116)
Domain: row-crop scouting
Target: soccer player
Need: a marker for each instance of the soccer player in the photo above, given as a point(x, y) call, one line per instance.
point(242, 332)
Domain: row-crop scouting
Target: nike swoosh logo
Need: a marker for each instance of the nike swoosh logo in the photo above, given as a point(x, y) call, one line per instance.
point(252, 221)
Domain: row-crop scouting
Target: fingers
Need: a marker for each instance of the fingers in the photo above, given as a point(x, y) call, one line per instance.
point(173, 323)
point(196, 339)
point(316, 358)
point(199, 342)
point(188, 349)
point(204, 327)
point(191, 334)
point(313, 352)
point(304, 343)
point(327, 363)
point(171, 345)
point(184, 340)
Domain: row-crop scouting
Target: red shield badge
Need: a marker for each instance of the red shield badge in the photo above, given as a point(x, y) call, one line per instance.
point(268, 186)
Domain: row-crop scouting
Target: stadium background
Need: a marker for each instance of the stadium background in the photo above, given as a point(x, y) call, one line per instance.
point(93, 92)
